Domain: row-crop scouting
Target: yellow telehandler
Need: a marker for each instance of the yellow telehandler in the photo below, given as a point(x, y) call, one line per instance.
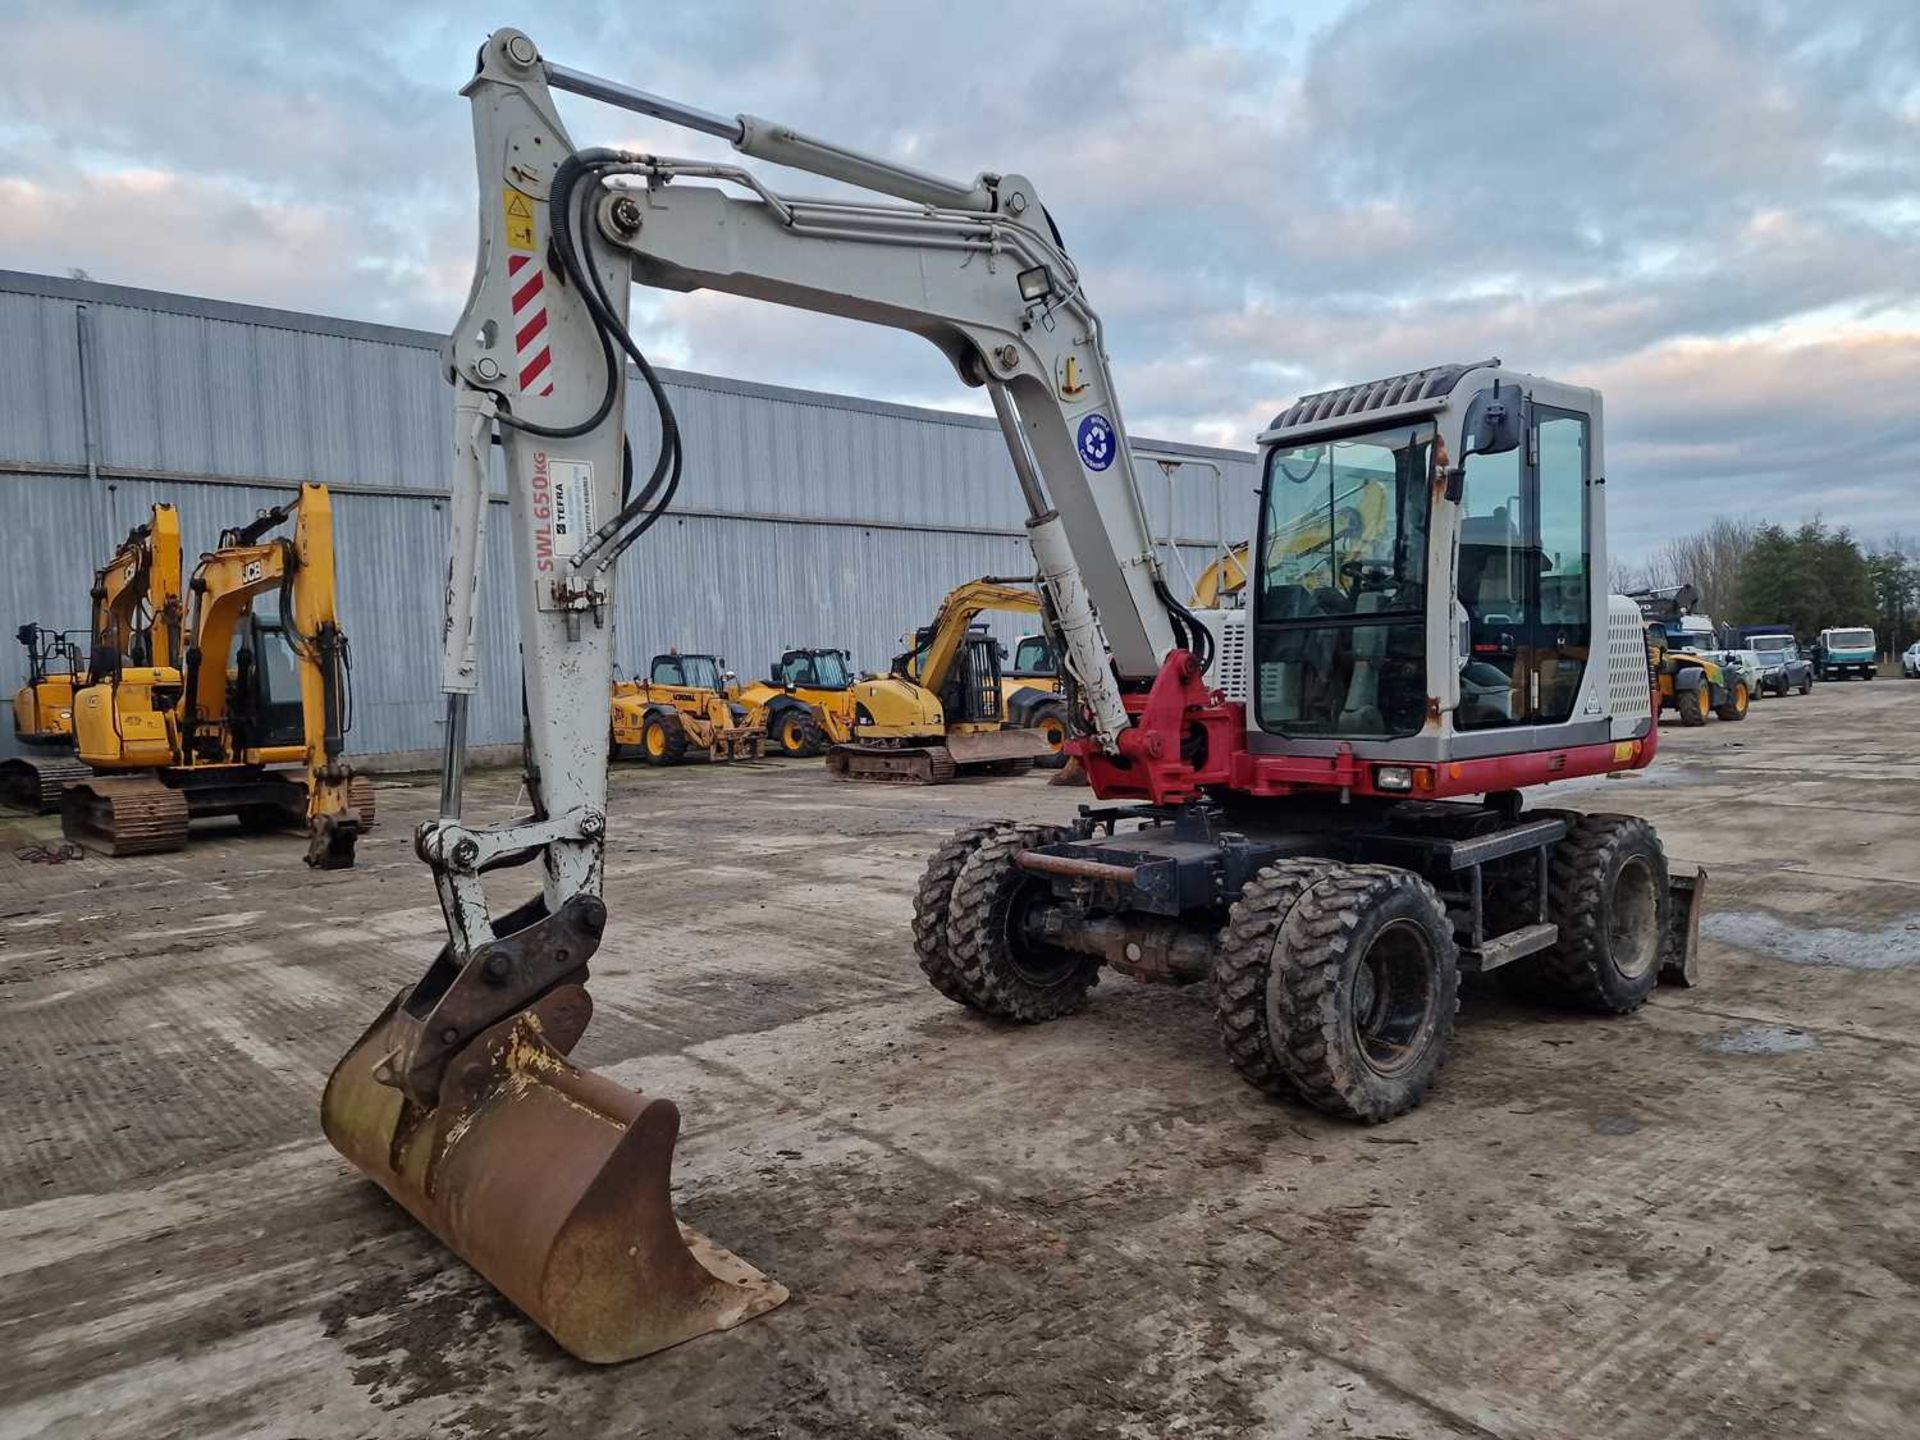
point(681, 712)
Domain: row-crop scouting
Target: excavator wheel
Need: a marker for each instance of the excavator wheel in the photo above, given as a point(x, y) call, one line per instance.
point(796, 733)
point(930, 903)
point(995, 965)
point(1737, 703)
point(34, 785)
point(124, 816)
point(1365, 983)
point(1609, 892)
point(1692, 706)
point(1243, 967)
point(663, 739)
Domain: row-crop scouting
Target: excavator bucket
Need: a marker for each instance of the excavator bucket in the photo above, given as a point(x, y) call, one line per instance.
point(550, 1181)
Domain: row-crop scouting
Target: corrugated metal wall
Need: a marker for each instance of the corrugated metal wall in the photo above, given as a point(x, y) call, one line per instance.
point(803, 518)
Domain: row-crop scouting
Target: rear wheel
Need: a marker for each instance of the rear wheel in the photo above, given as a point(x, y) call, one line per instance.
point(1051, 722)
point(796, 733)
point(1692, 707)
point(1736, 704)
point(931, 899)
point(1806, 685)
point(998, 967)
point(1243, 967)
point(1365, 983)
point(663, 739)
point(1609, 897)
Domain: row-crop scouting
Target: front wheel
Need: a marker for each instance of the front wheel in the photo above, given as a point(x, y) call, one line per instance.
point(796, 733)
point(1608, 895)
point(1364, 987)
point(1692, 707)
point(1051, 722)
point(663, 739)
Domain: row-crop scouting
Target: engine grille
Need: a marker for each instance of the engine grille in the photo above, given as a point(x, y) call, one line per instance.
point(1629, 686)
point(1229, 672)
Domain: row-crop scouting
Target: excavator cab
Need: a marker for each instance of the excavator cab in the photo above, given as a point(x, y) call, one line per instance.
point(264, 705)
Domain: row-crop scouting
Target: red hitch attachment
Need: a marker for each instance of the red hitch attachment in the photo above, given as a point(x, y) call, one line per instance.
point(1183, 738)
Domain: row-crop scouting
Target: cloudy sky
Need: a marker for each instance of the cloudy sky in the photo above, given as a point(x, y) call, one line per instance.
point(1709, 210)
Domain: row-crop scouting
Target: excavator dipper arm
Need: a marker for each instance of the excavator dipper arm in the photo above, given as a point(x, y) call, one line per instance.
point(459, 1099)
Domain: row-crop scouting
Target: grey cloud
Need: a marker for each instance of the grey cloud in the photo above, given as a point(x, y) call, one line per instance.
point(1649, 195)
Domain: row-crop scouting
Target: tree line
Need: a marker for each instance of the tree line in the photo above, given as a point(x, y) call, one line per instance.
point(1812, 577)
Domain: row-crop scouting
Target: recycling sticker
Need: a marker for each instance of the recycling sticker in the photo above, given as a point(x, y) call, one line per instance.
point(1096, 441)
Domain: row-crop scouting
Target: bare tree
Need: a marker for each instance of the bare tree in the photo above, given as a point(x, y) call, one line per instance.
point(1710, 561)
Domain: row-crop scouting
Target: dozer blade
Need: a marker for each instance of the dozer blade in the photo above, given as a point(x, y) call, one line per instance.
point(1680, 947)
point(997, 747)
point(550, 1181)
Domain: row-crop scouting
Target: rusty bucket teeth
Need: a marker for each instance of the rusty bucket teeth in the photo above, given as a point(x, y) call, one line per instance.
point(550, 1181)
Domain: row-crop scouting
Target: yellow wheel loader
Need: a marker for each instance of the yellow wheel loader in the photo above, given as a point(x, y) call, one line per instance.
point(1379, 843)
point(247, 719)
point(944, 709)
point(682, 712)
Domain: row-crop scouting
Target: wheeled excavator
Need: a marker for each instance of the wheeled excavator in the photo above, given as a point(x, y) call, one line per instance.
point(138, 615)
point(246, 718)
point(1315, 802)
point(943, 709)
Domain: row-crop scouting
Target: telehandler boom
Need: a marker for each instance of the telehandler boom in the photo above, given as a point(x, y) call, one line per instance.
point(1330, 826)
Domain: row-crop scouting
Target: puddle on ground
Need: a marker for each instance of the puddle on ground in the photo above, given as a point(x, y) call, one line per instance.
point(1886, 948)
point(1760, 1040)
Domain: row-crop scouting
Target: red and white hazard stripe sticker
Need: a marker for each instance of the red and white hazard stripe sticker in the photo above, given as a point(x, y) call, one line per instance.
point(530, 347)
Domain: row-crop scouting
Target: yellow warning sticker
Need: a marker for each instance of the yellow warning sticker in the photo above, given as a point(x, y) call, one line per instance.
point(519, 211)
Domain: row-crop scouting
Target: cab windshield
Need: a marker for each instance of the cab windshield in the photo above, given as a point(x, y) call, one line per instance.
point(1851, 639)
point(698, 672)
point(826, 670)
point(1340, 607)
point(1033, 656)
point(1771, 644)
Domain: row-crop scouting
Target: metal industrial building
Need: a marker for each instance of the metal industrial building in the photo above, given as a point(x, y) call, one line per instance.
point(803, 518)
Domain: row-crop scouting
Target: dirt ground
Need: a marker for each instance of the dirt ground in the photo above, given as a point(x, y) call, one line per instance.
point(1699, 1220)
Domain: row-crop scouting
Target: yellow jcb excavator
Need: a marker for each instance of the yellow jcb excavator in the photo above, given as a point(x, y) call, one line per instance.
point(137, 615)
point(212, 730)
point(682, 711)
point(943, 710)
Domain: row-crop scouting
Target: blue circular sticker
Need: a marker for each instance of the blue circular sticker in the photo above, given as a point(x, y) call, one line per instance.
point(1096, 441)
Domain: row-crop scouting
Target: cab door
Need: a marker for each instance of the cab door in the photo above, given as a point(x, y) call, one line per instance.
point(1522, 575)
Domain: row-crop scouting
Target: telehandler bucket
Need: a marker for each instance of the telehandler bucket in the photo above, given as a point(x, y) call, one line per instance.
point(551, 1181)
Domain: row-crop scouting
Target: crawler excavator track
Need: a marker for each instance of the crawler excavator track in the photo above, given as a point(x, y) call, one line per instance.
point(916, 765)
point(133, 816)
point(28, 783)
